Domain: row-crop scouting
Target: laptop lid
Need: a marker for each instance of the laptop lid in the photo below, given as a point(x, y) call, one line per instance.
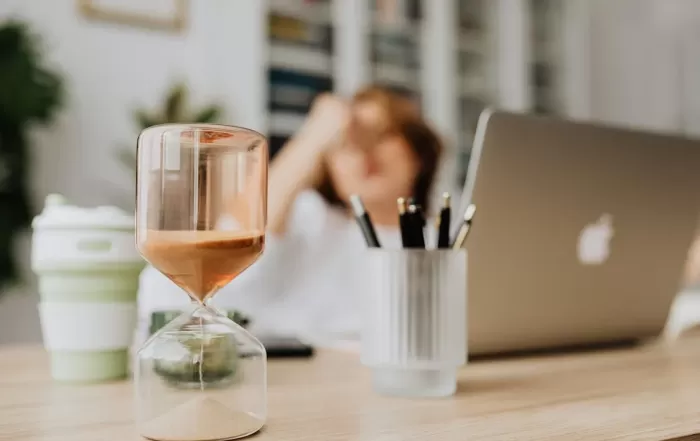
point(581, 231)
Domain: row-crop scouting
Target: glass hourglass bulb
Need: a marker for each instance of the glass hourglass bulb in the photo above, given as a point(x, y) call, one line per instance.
point(201, 213)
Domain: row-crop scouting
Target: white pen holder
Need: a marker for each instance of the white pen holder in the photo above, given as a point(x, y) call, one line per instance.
point(415, 337)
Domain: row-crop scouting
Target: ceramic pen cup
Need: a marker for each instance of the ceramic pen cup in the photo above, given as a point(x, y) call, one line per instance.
point(414, 338)
point(88, 271)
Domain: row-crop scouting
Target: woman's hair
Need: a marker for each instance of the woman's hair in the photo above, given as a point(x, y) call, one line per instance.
point(405, 121)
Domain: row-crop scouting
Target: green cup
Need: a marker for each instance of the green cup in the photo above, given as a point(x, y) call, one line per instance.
point(88, 271)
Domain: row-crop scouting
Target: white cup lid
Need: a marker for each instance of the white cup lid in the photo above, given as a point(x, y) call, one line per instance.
point(58, 213)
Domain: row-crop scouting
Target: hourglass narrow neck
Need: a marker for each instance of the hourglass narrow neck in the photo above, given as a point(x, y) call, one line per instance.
point(198, 310)
point(200, 300)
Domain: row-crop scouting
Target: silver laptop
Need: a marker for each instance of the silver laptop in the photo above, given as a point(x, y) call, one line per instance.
point(581, 232)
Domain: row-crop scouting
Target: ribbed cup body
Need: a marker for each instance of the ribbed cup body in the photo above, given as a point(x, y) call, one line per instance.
point(416, 310)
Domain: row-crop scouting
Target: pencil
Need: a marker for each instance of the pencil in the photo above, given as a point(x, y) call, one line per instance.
point(364, 221)
point(465, 227)
point(444, 222)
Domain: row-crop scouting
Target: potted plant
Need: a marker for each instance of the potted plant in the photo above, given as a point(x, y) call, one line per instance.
point(173, 111)
point(30, 93)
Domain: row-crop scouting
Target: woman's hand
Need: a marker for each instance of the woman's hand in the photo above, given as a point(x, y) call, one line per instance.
point(325, 125)
point(299, 165)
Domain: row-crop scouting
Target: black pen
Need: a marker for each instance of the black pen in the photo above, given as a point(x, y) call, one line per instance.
point(444, 222)
point(419, 210)
point(364, 221)
point(465, 227)
point(421, 215)
point(404, 223)
point(416, 227)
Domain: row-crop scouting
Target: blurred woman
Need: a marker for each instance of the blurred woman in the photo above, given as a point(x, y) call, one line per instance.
point(307, 282)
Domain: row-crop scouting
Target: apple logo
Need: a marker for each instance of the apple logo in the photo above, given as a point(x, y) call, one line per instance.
point(594, 241)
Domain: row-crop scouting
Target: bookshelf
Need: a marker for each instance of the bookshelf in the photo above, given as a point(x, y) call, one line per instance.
point(456, 57)
point(475, 72)
point(395, 45)
point(300, 63)
point(522, 56)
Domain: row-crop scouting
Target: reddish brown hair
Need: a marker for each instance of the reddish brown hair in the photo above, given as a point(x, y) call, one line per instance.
point(404, 120)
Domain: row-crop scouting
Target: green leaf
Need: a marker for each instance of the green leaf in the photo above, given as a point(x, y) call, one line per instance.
point(127, 157)
point(174, 104)
point(28, 90)
point(144, 120)
point(208, 115)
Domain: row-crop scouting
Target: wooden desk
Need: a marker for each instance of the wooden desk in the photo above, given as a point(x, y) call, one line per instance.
point(650, 393)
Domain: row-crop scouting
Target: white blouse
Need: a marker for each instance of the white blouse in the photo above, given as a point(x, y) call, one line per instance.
point(305, 284)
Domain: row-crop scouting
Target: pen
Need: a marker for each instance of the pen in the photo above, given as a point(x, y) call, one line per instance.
point(364, 221)
point(420, 219)
point(421, 215)
point(465, 227)
point(415, 227)
point(444, 222)
point(419, 210)
point(404, 223)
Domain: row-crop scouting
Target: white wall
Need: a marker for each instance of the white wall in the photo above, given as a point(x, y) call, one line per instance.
point(635, 65)
point(690, 50)
point(439, 85)
point(351, 20)
point(110, 70)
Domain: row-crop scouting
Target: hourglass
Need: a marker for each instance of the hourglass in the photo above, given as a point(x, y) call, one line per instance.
point(200, 220)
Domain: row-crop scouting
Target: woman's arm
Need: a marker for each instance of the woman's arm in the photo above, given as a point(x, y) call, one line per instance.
point(294, 170)
point(299, 165)
point(692, 269)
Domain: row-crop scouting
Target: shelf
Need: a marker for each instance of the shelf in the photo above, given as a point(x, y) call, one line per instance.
point(300, 58)
point(285, 123)
point(396, 75)
point(472, 41)
point(318, 12)
point(400, 26)
point(476, 87)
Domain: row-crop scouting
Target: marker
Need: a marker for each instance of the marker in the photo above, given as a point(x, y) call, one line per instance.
point(364, 221)
point(416, 227)
point(465, 228)
point(404, 223)
point(444, 222)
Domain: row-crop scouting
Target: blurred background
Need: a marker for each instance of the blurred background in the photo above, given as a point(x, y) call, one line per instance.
point(80, 78)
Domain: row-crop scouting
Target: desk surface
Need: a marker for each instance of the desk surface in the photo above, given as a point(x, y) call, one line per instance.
point(648, 393)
